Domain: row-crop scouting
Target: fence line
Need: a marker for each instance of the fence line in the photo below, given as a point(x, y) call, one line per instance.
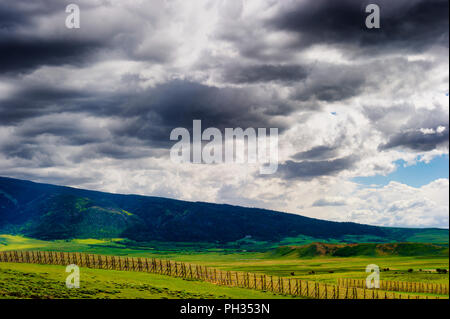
point(275, 284)
point(403, 286)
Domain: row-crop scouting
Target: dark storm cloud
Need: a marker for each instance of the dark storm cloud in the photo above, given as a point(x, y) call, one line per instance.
point(33, 34)
point(317, 153)
point(405, 24)
point(332, 83)
point(418, 140)
point(20, 13)
point(424, 129)
point(25, 54)
point(142, 119)
point(152, 114)
point(70, 129)
point(24, 151)
point(10, 18)
point(265, 73)
point(329, 92)
point(307, 170)
point(33, 101)
point(130, 122)
point(23, 49)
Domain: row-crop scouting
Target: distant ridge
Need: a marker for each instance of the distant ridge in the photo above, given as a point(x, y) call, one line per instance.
point(363, 249)
point(47, 211)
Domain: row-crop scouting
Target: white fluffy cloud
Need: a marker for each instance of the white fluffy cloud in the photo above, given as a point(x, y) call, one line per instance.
point(395, 204)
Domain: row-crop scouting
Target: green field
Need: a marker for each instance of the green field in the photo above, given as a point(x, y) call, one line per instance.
point(48, 282)
point(114, 284)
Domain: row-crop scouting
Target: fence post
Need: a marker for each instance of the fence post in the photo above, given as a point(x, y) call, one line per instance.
point(290, 292)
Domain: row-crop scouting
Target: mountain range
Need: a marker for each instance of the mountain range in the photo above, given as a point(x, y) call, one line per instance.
point(51, 212)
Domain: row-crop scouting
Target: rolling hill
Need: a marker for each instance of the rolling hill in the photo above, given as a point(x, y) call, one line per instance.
point(365, 249)
point(50, 212)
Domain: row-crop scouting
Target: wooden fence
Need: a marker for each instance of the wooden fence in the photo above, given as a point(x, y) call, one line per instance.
point(404, 286)
point(275, 284)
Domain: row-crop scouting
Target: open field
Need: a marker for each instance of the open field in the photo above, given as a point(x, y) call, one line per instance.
point(326, 269)
point(344, 289)
point(322, 269)
point(48, 281)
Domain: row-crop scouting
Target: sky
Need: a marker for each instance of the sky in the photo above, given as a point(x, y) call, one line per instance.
point(418, 174)
point(362, 114)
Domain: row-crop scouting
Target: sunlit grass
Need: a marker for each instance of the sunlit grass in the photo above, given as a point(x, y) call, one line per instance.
point(48, 281)
point(326, 269)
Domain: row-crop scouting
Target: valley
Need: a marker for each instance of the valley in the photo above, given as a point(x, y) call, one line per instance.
point(254, 243)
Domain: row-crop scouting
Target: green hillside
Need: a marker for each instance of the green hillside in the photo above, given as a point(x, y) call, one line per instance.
point(363, 249)
point(52, 212)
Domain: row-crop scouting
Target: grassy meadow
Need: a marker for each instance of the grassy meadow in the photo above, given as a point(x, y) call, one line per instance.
point(115, 284)
point(48, 282)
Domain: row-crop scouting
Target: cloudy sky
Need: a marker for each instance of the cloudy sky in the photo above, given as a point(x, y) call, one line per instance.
point(363, 114)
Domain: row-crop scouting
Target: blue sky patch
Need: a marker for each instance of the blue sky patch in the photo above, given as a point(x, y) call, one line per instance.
point(415, 175)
